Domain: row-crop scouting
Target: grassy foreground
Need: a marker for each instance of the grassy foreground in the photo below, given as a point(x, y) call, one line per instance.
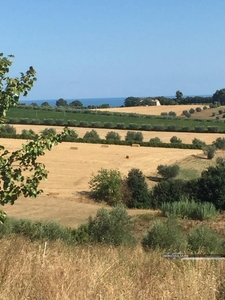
point(33, 271)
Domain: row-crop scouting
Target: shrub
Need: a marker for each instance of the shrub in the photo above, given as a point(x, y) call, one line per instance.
point(108, 124)
point(72, 137)
point(172, 114)
point(96, 124)
point(220, 143)
point(171, 128)
point(164, 114)
point(24, 120)
point(175, 140)
point(198, 109)
point(113, 136)
point(35, 121)
point(192, 111)
point(205, 240)
point(112, 227)
point(145, 127)
point(50, 121)
point(140, 196)
point(166, 236)
point(209, 151)
point(133, 126)
point(91, 135)
point(212, 128)
point(48, 131)
point(220, 161)
point(107, 186)
point(134, 136)
point(168, 171)
point(7, 129)
point(198, 143)
point(155, 140)
point(120, 125)
point(199, 128)
point(59, 122)
point(27, 134)
point(71, 122)
point(159, 127)
point(83, 124)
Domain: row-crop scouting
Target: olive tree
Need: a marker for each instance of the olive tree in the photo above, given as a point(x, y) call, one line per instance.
point(20, 173)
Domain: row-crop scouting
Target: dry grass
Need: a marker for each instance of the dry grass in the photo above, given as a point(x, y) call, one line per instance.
point(102, 273)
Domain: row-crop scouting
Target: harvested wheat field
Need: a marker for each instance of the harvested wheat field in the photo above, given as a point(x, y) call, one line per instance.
point(70, 166)
point(153, 110)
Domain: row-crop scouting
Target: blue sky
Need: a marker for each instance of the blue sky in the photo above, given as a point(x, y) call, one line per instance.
point(102, 48)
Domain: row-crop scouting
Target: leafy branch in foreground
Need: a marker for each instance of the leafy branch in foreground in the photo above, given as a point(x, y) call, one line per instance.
point(14, 168)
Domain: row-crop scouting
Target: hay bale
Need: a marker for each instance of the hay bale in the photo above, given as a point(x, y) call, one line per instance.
point(135, 145)
point(105, 146)
point(53, 194)
point(127, 157)
point(73, 148)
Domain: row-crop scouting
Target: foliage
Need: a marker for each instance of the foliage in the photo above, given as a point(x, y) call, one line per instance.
point(134, 136)
point(179, 96)
point(140, 196)
point(168, 171)
point(198, 143)
point(113, 136)
point(175, 139)
point(44, 230)
point(209, 151)
point(112, 227)
point(61, 102)
point(166, 236)
point(14, 166)
point(12, 88)
point(186, 208)
point(205, 240)
point(91, 135)
point(219, 96)
point(168, 191)
point(76, 103)
point(155, 140)
point(107, 186)
point(72, 137)
point(219, 143)
point(7, 129)
point(28, 134)
point(211, 186)
point(220, 161)
point(48, 131)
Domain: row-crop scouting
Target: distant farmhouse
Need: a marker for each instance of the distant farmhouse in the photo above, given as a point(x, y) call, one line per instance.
point(156, 102)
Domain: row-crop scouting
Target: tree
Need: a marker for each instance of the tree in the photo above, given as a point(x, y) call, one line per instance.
point(91, 135)
point(220, 143)
point(107, 186)
point(211, 186)
point(134, 136)
point(113, 136)
point(14, 179)
point(140, 196)
point(61, 102)
point(76, 103)
point(179, 96)
point(209, 151)
point(45, 104)
point(175, 140)
point(132, 101)
point(219, 96)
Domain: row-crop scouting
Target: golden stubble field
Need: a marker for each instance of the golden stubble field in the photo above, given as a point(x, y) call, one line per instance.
point(71, 165)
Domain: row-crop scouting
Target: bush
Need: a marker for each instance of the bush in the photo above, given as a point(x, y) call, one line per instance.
point(205, 240)
point(133, 126)
point(192, 111)
point(212, 128)
point(199, 128)
point(166, 236)
point(113, 136)
point(198, 143)
point(7, 129)
point(220, 143)
point(220, 161)
point(175, 140)
point(107, 186)
point(209, 151)
point(113, 227)
point(108, 124)
point(72, 137)
point(120, 125)
point(168, 171)
point(59, 122)
point(50, 121)
point(172, 114)
point(91, 136)
point(140, 196)
point(155, 140)
point(145, 127)
point(48, 131)
point(27, 134)
point(198, 109)
point(134, 136)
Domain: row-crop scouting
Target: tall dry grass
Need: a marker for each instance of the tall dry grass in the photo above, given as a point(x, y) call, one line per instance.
point(99, 272)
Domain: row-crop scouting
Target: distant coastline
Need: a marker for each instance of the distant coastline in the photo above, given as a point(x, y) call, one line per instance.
point(113, 102)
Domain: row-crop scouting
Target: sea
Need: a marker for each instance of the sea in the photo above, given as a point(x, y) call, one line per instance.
point(113, 102)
